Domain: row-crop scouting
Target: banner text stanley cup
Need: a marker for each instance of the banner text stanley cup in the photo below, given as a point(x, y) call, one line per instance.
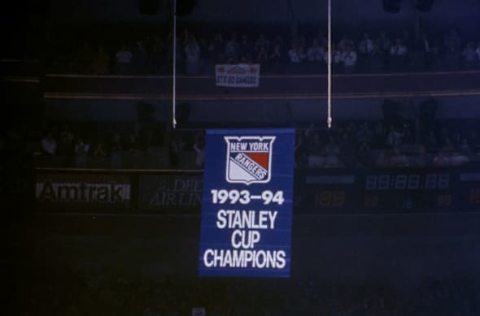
point(247, 203)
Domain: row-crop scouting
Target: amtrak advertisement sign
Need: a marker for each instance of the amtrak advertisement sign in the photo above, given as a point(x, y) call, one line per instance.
point(247, 203)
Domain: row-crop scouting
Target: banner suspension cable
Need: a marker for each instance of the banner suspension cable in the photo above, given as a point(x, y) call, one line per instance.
point(174, 66)
point(329, 67)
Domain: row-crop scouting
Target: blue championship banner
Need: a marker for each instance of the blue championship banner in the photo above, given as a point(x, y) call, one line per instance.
point(247, 203)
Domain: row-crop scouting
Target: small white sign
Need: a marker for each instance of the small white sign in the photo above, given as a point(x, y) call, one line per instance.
point(238, 76)
point(199, 311)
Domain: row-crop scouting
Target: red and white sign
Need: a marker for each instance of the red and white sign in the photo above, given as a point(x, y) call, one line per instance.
point(199, 311)
point(238, 76)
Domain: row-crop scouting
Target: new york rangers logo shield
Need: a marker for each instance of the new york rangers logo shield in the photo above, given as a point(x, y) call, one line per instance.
point(249, 159)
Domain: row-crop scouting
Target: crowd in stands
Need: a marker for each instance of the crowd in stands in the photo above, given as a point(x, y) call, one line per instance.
point(128, 146)
point(382, 144)
point(305, 51)
point(349, 144)
point(111, 293)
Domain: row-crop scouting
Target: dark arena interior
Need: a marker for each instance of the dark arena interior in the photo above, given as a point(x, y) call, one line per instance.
point(107, 109)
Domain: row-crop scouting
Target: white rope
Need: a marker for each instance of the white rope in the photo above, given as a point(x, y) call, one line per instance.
point(174, 66)
point(329, 66)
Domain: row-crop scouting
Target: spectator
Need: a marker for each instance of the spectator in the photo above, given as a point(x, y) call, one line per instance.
point(199, 148)
point(132, 143)
point(347, 152)
point(397, 158)
point(451, 51)
point(364, 134)
point(384, 43)
point(365, 156)
point(262, 46)
point(192, 55)
point(81, 152)
point(85, 58)
point(441, 159)
point(246, 50)
point(316, 52)
point(280, 43)
point(345, 42)
point(262, 55)
point(452, 41)
point(99, 156)
point(349, 59)
point(276, 55)
point(216, 49)
point(157, 55)
point(232, 49)
point(123, 60)
point(116, 152)
point(465, 147)
point(430, 140)
point(139, 58)
point(474, 139)
point(448, 145)
point(66, 147)
point(314, 149)
point(394, 137)
point(101, 62)
point(295, 54)
point(374, 62)
point(180, 57)
point(338, 56)
point(302, 46)
point(301, 154)
point(406, 39)
point(398, 55)
point(331, 152)
point(421, 53)
point(434, 61)
point(99, 151)
point(477, 52)
point(49, 145)
point(175, 146)
point(469, 56)
point(366, 49)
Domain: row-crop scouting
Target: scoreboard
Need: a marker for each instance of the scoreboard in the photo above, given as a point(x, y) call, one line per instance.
point(425, 189)
point(388, 190)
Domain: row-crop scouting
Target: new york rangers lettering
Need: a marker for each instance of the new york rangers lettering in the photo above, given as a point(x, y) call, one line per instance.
point(249, 159)
point(247, 203)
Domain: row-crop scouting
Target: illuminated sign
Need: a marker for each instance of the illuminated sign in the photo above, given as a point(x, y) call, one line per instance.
point(93, 192)
point(237, 76)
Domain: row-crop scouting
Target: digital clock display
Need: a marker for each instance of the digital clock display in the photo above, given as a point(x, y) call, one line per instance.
point(412, 181)
point(390, 190)
point(421, 189)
